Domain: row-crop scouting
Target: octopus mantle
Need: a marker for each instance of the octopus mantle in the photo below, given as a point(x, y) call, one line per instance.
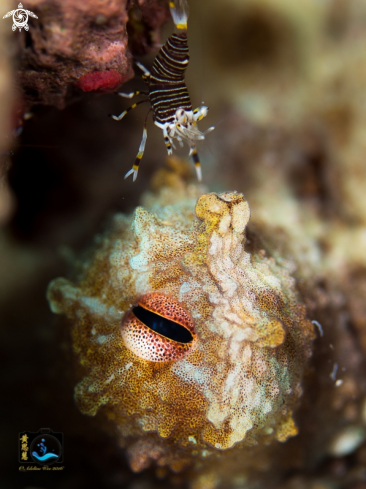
point(237, 382)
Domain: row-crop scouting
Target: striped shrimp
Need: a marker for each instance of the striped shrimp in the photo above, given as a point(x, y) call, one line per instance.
point(168, 95)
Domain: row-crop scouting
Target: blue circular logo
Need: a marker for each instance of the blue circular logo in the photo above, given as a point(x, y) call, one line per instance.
point(45, 449)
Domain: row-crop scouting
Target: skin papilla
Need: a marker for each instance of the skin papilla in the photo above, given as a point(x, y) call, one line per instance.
point(236, 382)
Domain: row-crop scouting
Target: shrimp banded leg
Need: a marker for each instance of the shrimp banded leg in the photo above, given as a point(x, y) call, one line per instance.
point(144, 70)
point(133, 106)
point(167, 141)
point(132, 94)
point(135, 167)
point(196, 161)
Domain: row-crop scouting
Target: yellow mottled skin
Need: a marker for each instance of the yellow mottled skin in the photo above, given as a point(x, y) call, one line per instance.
point(238, 385)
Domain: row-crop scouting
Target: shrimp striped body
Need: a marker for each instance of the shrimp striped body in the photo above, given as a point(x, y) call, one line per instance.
point(167, 88)
point(168, 95)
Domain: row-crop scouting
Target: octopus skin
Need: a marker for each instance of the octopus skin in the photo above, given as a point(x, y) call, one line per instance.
point(236, 381)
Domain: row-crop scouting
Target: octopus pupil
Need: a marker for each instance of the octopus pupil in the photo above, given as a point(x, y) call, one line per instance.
point(163, 326)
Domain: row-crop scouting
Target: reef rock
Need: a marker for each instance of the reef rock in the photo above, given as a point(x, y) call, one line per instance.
point(82, 44)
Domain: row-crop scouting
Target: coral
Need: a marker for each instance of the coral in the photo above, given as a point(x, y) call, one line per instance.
point(77, 44)
point(105, 80)
point(240, 377)
point(145, 19)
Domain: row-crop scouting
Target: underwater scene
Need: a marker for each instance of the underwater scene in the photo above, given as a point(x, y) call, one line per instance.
point(183, 244)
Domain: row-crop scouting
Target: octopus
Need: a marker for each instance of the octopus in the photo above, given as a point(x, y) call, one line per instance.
point(193, 337)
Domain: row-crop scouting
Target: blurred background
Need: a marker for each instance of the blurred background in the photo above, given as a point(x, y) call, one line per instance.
point(285, 83)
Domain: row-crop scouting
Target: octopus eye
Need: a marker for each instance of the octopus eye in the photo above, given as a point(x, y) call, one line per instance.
point(163, 326)
point(158, 328)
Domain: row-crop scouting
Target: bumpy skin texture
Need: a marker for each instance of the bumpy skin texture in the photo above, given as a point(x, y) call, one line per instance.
point(238, 384)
